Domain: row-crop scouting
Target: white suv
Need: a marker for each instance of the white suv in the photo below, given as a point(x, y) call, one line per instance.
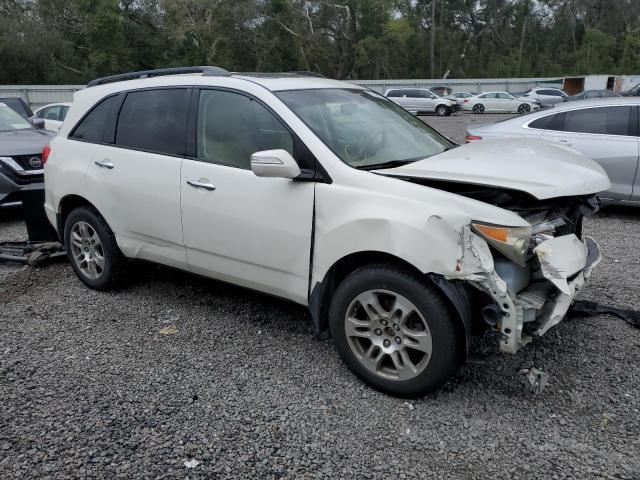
point(329, 195)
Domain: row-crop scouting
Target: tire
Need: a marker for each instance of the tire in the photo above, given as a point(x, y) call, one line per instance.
point(478, 108)
point(442, 110)
point(92, 240)
point(427, 335)
point(524, 108)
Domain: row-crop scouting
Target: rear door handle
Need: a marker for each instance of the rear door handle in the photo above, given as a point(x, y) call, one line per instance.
point(104, 164)
point(198, 184)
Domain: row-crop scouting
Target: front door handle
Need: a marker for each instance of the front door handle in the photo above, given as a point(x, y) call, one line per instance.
point(104, 164)
point(199, 184)
point(566, 142)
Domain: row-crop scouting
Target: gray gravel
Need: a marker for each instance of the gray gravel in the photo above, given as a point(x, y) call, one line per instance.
point(90, 388)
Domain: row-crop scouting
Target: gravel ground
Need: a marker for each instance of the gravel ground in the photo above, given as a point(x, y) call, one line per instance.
point(90, 388)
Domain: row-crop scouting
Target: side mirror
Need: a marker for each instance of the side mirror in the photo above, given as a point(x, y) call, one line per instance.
point(274, 163)
point(38, 122)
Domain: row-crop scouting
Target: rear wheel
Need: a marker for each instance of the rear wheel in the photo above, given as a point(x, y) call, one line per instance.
point(394, 331)
point(478, 108)
point(524, 108)
point(92, 249)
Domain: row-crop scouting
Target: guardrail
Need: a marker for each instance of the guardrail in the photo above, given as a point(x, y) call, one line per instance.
point(38, 95)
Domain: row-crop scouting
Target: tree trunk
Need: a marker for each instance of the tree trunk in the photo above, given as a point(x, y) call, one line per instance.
point(433, 39)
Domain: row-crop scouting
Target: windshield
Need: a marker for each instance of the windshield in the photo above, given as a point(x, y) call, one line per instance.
point(363, 128)
point(11, 120)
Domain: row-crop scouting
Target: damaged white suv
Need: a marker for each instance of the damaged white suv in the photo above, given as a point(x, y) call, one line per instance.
point(327, 194)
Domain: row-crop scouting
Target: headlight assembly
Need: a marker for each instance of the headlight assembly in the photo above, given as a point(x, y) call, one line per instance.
point(512, 242)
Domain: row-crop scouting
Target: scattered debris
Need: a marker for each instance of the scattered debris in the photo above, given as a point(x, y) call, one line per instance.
point(632, 317)
point(534, 378)
point(171, 330)
point(193, 463)
point(31, 253)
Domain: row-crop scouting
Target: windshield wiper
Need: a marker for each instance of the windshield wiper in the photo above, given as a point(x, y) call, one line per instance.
point(389, 164)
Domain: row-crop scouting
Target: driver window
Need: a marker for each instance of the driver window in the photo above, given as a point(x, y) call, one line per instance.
point(232, 127)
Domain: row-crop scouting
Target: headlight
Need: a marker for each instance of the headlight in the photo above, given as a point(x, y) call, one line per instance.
point(512, 242)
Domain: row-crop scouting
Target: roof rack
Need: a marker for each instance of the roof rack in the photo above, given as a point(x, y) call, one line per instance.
point(208, 71)
point(281, 74)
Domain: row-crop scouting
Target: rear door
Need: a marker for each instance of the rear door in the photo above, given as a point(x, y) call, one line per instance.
point(248, 230)
point(608, 136)
point(134, 175)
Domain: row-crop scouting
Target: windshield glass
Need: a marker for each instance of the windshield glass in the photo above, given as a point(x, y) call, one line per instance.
point(11, 120)
point(363, 128)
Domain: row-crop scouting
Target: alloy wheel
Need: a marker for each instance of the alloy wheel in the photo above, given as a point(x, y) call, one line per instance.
point(87, 250)
point(388, 335)
point(524, 108)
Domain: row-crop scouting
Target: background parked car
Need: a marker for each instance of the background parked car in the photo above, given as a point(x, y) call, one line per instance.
point(421, 100)
point(632, 92)
point(605, 130)
point(590, 94)
point(21, 145)
point(499, 102)
point(19, 105)
point(53, 115)
point(459, 97)
point(547, 97)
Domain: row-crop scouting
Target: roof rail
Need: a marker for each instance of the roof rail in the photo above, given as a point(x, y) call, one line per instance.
point(280, 74)
point(208, 71)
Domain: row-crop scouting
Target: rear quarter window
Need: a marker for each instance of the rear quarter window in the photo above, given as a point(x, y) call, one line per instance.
point(542, 123)
point(601, 120)
point(91, 127)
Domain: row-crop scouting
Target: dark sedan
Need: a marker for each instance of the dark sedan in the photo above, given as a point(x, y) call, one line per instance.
point(589, 94)
point(21, 168)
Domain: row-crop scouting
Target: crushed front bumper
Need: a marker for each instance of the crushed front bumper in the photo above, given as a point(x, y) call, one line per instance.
point(565, 263)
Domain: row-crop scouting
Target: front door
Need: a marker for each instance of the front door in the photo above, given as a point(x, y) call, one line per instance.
point(602, 134)
point(238, 227)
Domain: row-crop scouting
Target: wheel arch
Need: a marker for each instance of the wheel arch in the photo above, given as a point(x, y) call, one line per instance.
point(66, 205)
point(457, 295)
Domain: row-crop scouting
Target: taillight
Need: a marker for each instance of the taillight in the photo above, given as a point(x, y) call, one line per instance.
point(470, 138)
point(45, 153)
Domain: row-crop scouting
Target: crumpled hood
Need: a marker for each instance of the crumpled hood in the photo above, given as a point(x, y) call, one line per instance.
point(24, 142)
point(541, 169)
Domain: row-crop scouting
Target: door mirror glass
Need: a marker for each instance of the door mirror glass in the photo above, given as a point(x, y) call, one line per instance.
point(38, 123)
point(274, 163)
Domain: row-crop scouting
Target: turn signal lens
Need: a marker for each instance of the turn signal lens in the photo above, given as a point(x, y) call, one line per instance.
point(512, 242)
point(45, 153)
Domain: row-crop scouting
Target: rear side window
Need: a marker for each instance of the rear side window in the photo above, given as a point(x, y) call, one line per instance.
point(605, 120)
point(542, 123)
point(394, 93)
point(91, 127)
point(154, 120)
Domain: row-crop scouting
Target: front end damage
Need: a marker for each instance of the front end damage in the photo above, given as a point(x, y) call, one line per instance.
point(523, 301)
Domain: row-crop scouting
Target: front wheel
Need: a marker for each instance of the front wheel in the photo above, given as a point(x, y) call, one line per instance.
point(394, 331)
point(479, 108)
point(524, 108)
point(442, 110)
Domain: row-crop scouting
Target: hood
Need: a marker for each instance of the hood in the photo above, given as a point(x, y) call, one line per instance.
point(23, 142)
point(540, 169)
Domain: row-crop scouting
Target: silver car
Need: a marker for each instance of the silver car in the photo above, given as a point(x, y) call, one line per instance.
point(605, 130)
point(546, 96)
point(421, 100)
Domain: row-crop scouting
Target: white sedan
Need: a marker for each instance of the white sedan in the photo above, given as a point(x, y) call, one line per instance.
point(53, 115)
point(502, 102)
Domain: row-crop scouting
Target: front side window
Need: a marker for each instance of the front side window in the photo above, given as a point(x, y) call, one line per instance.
point(504, 96)
point(91, 127)
point(394, 93)
point(232, 127)
point(604, 120)
point(12, 120)
point(363, 129)
point(51, 113)
point(154, 120)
